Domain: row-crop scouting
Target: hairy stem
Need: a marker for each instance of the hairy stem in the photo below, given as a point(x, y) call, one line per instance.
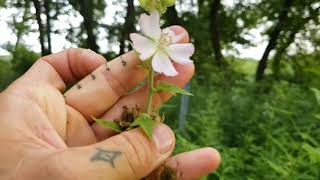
point(151, 91)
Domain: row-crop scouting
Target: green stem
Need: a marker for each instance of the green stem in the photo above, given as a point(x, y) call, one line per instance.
point(151, 91)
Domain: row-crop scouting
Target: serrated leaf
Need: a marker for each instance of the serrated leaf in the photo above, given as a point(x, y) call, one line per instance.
point(108, 124)
point(167, 87)
point(146, 123)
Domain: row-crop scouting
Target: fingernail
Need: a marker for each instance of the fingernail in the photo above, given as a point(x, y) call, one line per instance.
point(163, 138)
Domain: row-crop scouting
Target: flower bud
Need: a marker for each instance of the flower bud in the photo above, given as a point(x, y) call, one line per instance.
point(158, 5)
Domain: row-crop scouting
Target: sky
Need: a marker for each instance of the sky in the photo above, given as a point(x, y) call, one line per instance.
point(59, 43)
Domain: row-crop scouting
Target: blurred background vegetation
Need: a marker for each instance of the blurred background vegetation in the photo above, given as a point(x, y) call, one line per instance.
point(263, 114)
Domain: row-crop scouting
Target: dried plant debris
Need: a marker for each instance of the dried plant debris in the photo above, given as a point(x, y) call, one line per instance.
point(164, 172)
point(128, 116)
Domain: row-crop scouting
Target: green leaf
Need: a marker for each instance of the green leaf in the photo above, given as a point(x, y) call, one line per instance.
point(146, 123)
point(167, 87)
point(316, 94)
point(278, 168)
point(314, 153)
point(307, 137)
point(108, 124)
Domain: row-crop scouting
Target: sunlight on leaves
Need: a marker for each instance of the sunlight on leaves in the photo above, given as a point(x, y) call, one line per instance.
point(314, 153)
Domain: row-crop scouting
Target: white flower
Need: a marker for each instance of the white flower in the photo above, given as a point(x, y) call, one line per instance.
point(160, 45)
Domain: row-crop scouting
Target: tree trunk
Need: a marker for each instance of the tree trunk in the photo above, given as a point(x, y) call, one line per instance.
point(273, 39)
point(172, 17)
point(300, 24)
point(86, 11)
point(20, 31)
point(48, 28)
point(201, 8)
point(38, 8)
point(280, 51)
point(215, 35)
point(128, 26)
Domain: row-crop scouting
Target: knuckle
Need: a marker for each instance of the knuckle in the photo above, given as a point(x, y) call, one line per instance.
point(139, 152)
point(115, 84)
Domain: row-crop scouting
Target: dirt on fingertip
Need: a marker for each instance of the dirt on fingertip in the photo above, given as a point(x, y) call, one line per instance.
point(164, 172)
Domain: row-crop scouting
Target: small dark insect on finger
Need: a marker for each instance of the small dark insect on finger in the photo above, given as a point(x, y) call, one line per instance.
point(107, 68)
point(93, 76)
point(79, 86)
point(124, 63)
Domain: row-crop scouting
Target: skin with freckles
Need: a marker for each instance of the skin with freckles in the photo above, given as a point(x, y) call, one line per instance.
point(47, 132)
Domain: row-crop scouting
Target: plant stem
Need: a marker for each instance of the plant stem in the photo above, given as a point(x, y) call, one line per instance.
point(151, 91)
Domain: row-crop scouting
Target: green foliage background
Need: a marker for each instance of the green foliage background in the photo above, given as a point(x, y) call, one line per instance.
point(266, 130)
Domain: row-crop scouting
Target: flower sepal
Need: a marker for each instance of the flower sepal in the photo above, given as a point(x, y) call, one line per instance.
point(146, 65)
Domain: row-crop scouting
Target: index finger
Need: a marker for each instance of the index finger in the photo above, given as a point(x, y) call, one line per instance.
point(64, 67)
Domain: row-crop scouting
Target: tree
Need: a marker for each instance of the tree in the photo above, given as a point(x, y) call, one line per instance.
point(215, 35)
point(172, 17)
point(128, 27)
point(86, 10)
point(297, 24)
point(47, 8)
point(274, 35)
point(43, 32)
point(20, 27)
point(91, 11)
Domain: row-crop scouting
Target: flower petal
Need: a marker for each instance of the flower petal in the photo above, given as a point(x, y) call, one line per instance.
point(181, 53)
point(162, 64)
point(150, 25)
point(143, 45)
point(174, 38)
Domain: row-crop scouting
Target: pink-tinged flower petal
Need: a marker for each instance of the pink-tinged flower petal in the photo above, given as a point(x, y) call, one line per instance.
point(162, 64)
point(174, 38)
point(181, 53)
point(143, 45)
point(150, 25)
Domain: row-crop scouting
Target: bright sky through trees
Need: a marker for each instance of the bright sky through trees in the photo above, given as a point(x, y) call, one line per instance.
point(59, 42)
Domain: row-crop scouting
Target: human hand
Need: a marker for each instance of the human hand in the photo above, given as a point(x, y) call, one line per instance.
point(47, 133)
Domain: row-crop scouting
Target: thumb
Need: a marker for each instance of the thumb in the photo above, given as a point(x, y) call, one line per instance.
point(129, 155)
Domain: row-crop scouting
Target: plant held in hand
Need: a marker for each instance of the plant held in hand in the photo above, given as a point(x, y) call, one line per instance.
point(158, 49)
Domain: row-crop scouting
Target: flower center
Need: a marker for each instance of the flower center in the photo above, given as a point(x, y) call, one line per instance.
point(164, 41)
